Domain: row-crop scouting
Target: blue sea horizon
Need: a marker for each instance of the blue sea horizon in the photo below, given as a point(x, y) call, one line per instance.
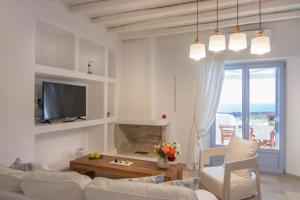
point(257, 108)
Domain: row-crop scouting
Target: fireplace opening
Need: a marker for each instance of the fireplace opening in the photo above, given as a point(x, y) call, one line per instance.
point(138, 139)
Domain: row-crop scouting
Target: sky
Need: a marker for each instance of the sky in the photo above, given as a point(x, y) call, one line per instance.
point(262, 87)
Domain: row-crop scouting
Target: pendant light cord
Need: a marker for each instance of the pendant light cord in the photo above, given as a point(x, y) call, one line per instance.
point(260, 15)
point(197, 19)
point(217, 15)
point(237, 12)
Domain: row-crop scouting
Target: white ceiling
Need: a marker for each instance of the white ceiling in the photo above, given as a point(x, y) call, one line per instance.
point(142, 18)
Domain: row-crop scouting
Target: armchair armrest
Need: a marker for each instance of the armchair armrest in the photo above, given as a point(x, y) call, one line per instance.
point(238, 165)
point(218, 151)
point(241, 164)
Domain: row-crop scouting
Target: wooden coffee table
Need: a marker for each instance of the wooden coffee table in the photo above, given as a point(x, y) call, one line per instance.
point(139, 168)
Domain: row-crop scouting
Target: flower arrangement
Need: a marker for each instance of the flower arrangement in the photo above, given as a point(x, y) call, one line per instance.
point(271, 116)
point(167, 151)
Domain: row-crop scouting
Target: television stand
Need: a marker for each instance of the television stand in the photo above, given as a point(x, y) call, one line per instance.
point(68, 120)
point(80, 118)
point(45, 121)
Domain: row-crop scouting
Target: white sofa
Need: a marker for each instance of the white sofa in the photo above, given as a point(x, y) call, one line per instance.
point(46, 185)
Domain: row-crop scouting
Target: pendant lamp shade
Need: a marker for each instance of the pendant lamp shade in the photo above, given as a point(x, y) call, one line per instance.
point(237, 41)
point(217, 42)
point(260, 44)
point(197, 50)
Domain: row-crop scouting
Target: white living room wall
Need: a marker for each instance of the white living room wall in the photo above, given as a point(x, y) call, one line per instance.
point(17, 60)
point(170, 57)
point(293, 118)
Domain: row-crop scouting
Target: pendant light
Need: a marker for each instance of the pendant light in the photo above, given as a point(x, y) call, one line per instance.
point(237, 40)
point(217, 41)
point(197, 49)
point(261, 43)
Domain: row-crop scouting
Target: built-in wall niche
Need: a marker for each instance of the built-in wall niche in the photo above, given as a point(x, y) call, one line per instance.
point(55, 47)
point(111, 136)
point(94, 97)
point(91, 54)
point(38, 93)
point(95, 100)
point(56, 149)
point(111, 64)
point(96, 138)
point(111, 100)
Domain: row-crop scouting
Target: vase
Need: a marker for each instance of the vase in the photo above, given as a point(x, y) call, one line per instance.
point(162, 163)
point(271, 122)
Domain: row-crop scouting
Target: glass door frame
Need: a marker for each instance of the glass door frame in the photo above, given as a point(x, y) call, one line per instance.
point(271, 160)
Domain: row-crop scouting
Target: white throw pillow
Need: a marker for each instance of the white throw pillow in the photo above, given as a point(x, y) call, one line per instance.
point(10, 178)
point(239, 149)
point(102, 188)
point(47, 185)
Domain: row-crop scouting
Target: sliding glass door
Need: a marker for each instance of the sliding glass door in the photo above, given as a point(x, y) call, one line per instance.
point(252, 107)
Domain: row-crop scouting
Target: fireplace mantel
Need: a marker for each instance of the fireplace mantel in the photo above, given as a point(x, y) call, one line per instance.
point(155, 122)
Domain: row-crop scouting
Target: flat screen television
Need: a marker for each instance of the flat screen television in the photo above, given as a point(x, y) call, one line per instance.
point(62, 101)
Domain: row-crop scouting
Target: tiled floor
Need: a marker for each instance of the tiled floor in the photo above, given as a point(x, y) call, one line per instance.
point(272, 187)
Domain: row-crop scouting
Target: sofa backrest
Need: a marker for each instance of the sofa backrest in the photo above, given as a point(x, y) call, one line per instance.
point(47, 185)
point(104, 189)
point(9, 179)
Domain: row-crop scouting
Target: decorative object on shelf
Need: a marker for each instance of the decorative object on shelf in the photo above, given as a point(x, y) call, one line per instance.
point(121, 162)
point(38, 109)
point(197, 49)
point(217, 41)
point(261, 43)
point(166, 152)
point(164, 116)
point(271, 119)
point(81, 151)
point(90, 66)
point(237, 40)
point(95, 155)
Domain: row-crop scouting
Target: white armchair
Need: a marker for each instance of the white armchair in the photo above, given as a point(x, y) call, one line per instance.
point(227, 185)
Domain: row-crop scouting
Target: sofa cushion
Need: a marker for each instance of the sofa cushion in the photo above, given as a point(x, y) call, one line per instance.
point(13, 196)
point(104, 189)
point(47, 185)
point(240, 188)
point(239, 149)
point(10, 178)
point(148, 179)
point(205, 195)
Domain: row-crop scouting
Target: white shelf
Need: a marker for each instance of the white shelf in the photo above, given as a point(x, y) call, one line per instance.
point(110, 120)
point(90, 51)
point(111, 64)
point(60, 126)
point(63, 74)
point(157, 122)
point(54, 46)
point(111, 80)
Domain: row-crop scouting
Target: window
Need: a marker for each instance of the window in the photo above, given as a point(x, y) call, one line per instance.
point(252, 107)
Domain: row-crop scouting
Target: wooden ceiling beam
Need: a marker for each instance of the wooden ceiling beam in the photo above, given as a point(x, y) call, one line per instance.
point(246, 10)
point(167, 11)
point(102, 8)
point(251, 20)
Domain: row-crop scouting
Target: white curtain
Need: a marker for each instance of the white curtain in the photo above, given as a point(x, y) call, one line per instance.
point(209, 87)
